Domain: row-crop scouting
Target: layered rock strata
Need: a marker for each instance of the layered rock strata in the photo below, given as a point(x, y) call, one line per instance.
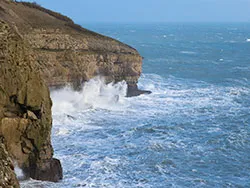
point(67, 53)
point(40, 48)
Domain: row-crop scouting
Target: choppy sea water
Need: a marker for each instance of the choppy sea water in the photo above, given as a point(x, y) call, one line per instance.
point(192, 131)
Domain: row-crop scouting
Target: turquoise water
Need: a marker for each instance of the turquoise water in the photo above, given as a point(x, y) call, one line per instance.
point(192, 131)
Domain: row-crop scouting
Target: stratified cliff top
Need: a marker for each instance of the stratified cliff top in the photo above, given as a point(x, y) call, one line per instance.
point(65, 53)
point(30, 16)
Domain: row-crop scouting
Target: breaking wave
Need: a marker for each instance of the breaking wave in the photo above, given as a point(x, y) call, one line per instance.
point(138, 142)
point(192, 131)
point(18, 172)
point(94, 94)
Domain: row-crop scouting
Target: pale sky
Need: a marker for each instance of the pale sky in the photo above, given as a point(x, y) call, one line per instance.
point(83, 11)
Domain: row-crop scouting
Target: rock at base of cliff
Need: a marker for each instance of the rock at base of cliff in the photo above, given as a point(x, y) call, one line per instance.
point(50, 170)
point(25, 111)
point(7, 175)
point(133, 91)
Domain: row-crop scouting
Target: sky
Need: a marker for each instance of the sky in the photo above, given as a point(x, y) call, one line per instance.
point(129, 11)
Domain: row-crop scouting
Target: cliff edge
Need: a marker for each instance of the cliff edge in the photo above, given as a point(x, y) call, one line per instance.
point(67, 53)
point(41, 48)
point(25, 109)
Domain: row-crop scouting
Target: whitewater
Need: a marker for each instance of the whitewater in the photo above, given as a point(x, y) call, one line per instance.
point(192, 131)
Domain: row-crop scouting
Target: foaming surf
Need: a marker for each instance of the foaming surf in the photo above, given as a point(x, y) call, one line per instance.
point(18, 171)
point(188, 52)
point(141, 144)
point(192, 131)
point(95, 94)
point(74, 108)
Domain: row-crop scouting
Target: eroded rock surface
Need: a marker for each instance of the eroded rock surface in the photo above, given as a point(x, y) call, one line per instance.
point(67, 53)
point(25, 108)
point(7, 176)
point(39, 47)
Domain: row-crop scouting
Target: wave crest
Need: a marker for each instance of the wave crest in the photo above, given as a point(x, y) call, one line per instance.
point(94, 94)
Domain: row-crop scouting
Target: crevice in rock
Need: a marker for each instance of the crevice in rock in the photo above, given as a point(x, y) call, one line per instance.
point(21, 110)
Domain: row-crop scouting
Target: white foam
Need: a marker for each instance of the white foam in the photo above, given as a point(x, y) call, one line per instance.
point(179, 100)
point(248, 40)
point(62, 131)
point(18, 172)
point(94, 94)
point(188, 52)
point(175, 96)
point(231, 41)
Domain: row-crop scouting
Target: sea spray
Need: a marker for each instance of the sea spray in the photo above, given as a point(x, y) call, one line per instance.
point(192, 131)
point(18, 171)
point(94, 94)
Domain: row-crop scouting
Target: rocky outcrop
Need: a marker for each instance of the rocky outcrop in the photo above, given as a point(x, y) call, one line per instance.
point(25, 108)
point(40, 48)
point(7, 175)
point(67, 53)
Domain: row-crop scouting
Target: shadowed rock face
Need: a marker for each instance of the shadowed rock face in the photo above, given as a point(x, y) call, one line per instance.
point(67, 53)
point(25, 109)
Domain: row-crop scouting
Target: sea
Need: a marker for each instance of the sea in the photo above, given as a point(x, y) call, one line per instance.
point(192, 131)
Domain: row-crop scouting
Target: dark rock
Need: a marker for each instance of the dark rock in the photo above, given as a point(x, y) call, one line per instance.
point(50, 170)
point(133, 91)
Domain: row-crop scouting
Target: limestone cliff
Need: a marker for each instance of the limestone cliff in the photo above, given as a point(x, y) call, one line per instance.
point(25, 108)
point(40, 48)
point(68, 53)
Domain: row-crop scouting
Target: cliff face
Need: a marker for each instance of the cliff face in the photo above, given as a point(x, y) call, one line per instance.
point(67, 53)
point(25, 109)
point(7, 175)
point(40, 48)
